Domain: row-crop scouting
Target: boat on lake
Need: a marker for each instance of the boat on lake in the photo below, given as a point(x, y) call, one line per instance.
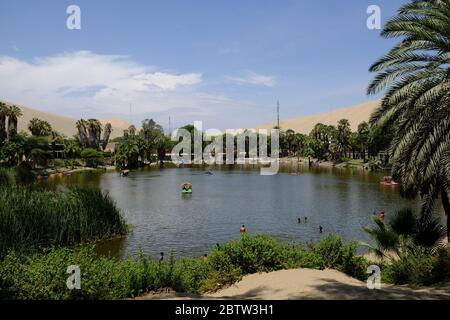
point(388, 181)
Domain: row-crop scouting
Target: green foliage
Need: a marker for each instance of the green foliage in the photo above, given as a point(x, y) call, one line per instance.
point(418, 266)
point(43, 275)
point(415, 108)
point(93, 157)
point(403, 230)
point(334, 253)
point(33, 219)
point(16, 176)
point(39, 127)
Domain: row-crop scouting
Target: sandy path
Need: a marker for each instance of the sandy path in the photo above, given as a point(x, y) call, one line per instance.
point(312, 284)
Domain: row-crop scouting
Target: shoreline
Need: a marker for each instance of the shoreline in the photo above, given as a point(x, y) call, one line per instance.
point(310, 284)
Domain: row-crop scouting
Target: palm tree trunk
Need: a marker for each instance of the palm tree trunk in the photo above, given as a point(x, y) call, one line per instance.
point(446, 204)
point(3, 134)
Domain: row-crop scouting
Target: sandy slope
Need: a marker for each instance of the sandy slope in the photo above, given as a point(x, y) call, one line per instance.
point(62, 124)
point(355, 114)
point(311, 284)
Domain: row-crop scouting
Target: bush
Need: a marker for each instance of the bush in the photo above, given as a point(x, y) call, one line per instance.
point(33, 219)
point(413, 267)
point(420, 267)
point(93, 157)
point(43, 276)
point(331, 252)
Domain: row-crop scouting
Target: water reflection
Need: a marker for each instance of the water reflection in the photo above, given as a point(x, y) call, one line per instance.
point(341, 200)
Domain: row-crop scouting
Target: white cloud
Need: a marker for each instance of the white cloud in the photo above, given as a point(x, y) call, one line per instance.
point(86, 84)
point(253, 78)
point(92, 81)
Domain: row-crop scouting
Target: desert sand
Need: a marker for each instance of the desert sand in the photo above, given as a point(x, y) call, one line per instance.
point(355, 114)
point(312, 284)
point(64, 125)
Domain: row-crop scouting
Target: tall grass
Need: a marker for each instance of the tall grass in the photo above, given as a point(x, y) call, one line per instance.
point(31, 219)
point(15, 176)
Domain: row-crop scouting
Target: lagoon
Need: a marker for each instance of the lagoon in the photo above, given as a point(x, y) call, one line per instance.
point(341, 200)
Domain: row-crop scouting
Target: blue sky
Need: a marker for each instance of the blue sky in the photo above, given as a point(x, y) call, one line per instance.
point(223, 62)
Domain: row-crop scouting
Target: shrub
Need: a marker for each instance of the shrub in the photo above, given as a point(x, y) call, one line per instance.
point(414, 266)
point(33, 219)
point(333, 253)
point(92, 157)
point(43, 275)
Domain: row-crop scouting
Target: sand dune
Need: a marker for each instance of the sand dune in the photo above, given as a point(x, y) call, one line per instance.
point(62, 124)
point(355, 114)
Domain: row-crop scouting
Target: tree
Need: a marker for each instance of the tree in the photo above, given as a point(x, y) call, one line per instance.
point(71, 148)
point(132, 130)
point(39, 128)
point(415, 75)
point(343, 136)
point(127, 153)
point(321, 139)
point(106, 135)
point(14, 112)
point(402, 232)
point(3, 113)
point(92, 157)
point(94, 128)
point(82, 132)
point(363, 138)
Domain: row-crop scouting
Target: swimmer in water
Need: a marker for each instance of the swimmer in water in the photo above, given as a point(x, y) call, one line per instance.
point(243, 229)
point(320, 229)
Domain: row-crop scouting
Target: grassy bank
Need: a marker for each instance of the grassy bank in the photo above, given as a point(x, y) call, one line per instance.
point(43, 276)
point(32, 219)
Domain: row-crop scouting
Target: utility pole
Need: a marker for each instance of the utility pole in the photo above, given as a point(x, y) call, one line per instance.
point(278, 114)
point(170, 129)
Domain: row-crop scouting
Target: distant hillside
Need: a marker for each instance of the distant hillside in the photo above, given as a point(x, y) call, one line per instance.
point(305, 124)
point(64, 125)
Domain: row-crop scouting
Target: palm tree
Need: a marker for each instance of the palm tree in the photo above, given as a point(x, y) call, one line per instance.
point(94, 133)
point(82, 132)
point(416, 104)
point(132, 130)
point(321, 139)
point(404, 231)
point(13, 113)
point(3, 113)
point(106, 135)
point(343, 136)
point(363, 138)
point(39, 128)
point(71, 148)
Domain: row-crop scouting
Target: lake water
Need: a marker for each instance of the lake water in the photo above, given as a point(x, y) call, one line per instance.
point(340, 200)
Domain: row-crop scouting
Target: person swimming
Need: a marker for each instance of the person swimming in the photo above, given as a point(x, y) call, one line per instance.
point(243, 229)
point(320, 229)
